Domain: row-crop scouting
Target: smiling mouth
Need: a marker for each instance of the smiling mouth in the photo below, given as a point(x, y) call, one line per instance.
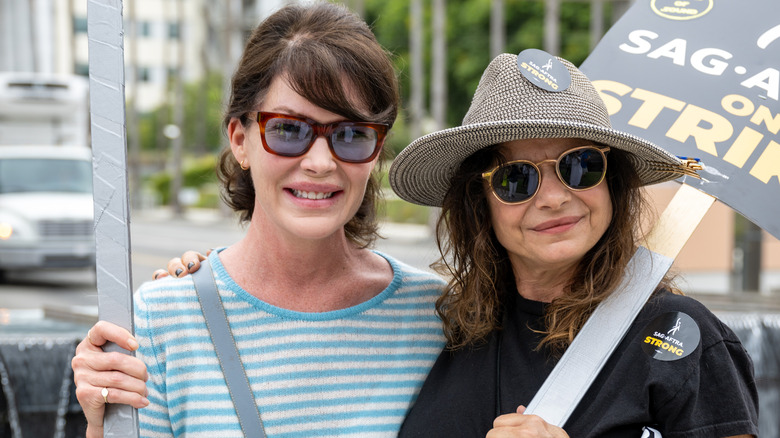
point(311, 195)
point(555, 225)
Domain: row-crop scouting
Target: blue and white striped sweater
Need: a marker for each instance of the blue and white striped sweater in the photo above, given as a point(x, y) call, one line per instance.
point(354, 371)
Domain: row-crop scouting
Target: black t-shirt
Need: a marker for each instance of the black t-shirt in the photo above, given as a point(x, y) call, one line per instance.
point(663, 375)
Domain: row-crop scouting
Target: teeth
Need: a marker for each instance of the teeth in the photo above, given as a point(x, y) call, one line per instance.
point(311, 195)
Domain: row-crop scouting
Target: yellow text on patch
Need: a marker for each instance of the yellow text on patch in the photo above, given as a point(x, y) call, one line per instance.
point(664, 345)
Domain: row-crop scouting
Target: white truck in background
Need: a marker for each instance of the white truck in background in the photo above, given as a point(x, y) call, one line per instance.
point(46, 209)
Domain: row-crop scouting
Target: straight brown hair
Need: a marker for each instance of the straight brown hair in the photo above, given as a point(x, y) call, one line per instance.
point(328, 55)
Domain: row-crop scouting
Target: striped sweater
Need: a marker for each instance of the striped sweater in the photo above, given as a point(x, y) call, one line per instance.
point(350, 372)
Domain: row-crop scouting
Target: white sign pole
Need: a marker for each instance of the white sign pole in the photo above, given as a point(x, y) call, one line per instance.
point(109, 175)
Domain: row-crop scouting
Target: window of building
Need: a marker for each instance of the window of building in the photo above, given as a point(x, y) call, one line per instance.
point(81, 69)
point(80, 24)
point(173, 72)
point(174, 30)
point(144, 29)
point(144, 74)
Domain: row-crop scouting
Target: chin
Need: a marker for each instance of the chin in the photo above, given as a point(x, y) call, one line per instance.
point(316, 229)
point(563, 256)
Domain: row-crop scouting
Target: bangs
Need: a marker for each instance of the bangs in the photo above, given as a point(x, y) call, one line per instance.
point(334, 79)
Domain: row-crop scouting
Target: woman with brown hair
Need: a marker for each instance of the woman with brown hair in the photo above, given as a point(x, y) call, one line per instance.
point(541, 205)
point(335, 339)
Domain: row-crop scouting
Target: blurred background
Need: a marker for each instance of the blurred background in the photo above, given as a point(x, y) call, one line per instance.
point(179, 56)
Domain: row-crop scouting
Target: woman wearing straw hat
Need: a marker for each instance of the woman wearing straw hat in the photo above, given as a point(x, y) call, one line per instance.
point(540, 204)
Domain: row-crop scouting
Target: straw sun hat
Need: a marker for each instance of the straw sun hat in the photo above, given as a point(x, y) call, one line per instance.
point(530, 95)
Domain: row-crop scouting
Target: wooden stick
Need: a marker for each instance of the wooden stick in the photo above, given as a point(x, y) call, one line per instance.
point(678, 221)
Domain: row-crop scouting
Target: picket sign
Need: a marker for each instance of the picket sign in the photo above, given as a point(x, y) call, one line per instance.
point(592, 347)
point(110, 190)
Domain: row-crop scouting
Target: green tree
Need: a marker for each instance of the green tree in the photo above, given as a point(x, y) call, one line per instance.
point(201, 132)
point(202, 128)
point(468, 39)
point(201, 137)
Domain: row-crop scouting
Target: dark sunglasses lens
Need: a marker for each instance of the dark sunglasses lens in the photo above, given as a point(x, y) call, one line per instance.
point(515, 182)
point(288, 137)
point(583, 168)
point(354, 142)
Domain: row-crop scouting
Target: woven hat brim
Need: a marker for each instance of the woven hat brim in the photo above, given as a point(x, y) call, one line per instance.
point(421, 173)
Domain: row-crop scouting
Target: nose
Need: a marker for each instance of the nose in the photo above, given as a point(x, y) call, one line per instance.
point(319, 160)
point(552, 192)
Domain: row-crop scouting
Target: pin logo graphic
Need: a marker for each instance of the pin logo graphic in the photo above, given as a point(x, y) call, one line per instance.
point(671, 336)
point(681, 9)
point(543, 70)
point(674, 329)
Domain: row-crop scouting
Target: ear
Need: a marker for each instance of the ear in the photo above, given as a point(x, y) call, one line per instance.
point(237, 136)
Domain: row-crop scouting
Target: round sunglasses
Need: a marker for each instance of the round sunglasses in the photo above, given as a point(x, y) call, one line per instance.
point(516, 182)
point(290, 136)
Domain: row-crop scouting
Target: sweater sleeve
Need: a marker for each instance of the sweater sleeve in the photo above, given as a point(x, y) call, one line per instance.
point(154, 420)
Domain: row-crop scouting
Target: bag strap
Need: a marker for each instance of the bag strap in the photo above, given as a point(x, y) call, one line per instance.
point(227, 352)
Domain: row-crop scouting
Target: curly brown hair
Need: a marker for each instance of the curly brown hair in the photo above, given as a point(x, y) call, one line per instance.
point(328, 55)
point(481, 273)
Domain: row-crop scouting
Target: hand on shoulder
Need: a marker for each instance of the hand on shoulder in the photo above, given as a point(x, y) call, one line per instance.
point(188, 263)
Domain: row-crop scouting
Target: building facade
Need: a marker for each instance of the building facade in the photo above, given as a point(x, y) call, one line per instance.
point(165, 40)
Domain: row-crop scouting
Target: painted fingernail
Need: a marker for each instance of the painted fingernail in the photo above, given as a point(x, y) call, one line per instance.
point(179, 271)
point(190, 265)
point(156, 274)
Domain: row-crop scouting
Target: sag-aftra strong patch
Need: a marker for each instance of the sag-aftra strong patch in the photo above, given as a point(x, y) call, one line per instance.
point(543, 70)
point(671, 336)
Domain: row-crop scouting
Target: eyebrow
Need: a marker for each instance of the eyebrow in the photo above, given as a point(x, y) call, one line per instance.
point(286, 110)
point(291, 112)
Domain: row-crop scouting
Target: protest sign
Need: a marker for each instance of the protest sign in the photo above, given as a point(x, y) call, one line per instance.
point(701, 78)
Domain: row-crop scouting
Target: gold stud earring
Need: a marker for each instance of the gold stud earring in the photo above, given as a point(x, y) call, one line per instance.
point(243, 165)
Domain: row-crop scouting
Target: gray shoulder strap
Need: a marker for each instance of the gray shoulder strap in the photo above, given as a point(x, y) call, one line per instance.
point(598, 338)
point(227, 352)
